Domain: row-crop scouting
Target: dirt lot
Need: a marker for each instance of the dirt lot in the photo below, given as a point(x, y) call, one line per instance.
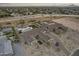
point(69, 22)
point(68, 41)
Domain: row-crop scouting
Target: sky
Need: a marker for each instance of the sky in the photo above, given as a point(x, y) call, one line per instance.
point(37, 4)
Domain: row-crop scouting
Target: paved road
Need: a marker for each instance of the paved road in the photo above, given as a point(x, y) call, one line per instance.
point(18, 49)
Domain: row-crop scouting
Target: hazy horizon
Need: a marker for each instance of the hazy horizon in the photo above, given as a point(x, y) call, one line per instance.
point(38, 4)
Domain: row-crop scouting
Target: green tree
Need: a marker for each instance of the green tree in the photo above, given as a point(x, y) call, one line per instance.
point(22, 22)
point(15, 32)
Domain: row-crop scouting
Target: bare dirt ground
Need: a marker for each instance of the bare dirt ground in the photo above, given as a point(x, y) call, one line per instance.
point(71, 38)
point(69, 22)
point(68, 41)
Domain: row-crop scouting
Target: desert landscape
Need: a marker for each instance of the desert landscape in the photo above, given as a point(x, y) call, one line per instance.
point(39, 31)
